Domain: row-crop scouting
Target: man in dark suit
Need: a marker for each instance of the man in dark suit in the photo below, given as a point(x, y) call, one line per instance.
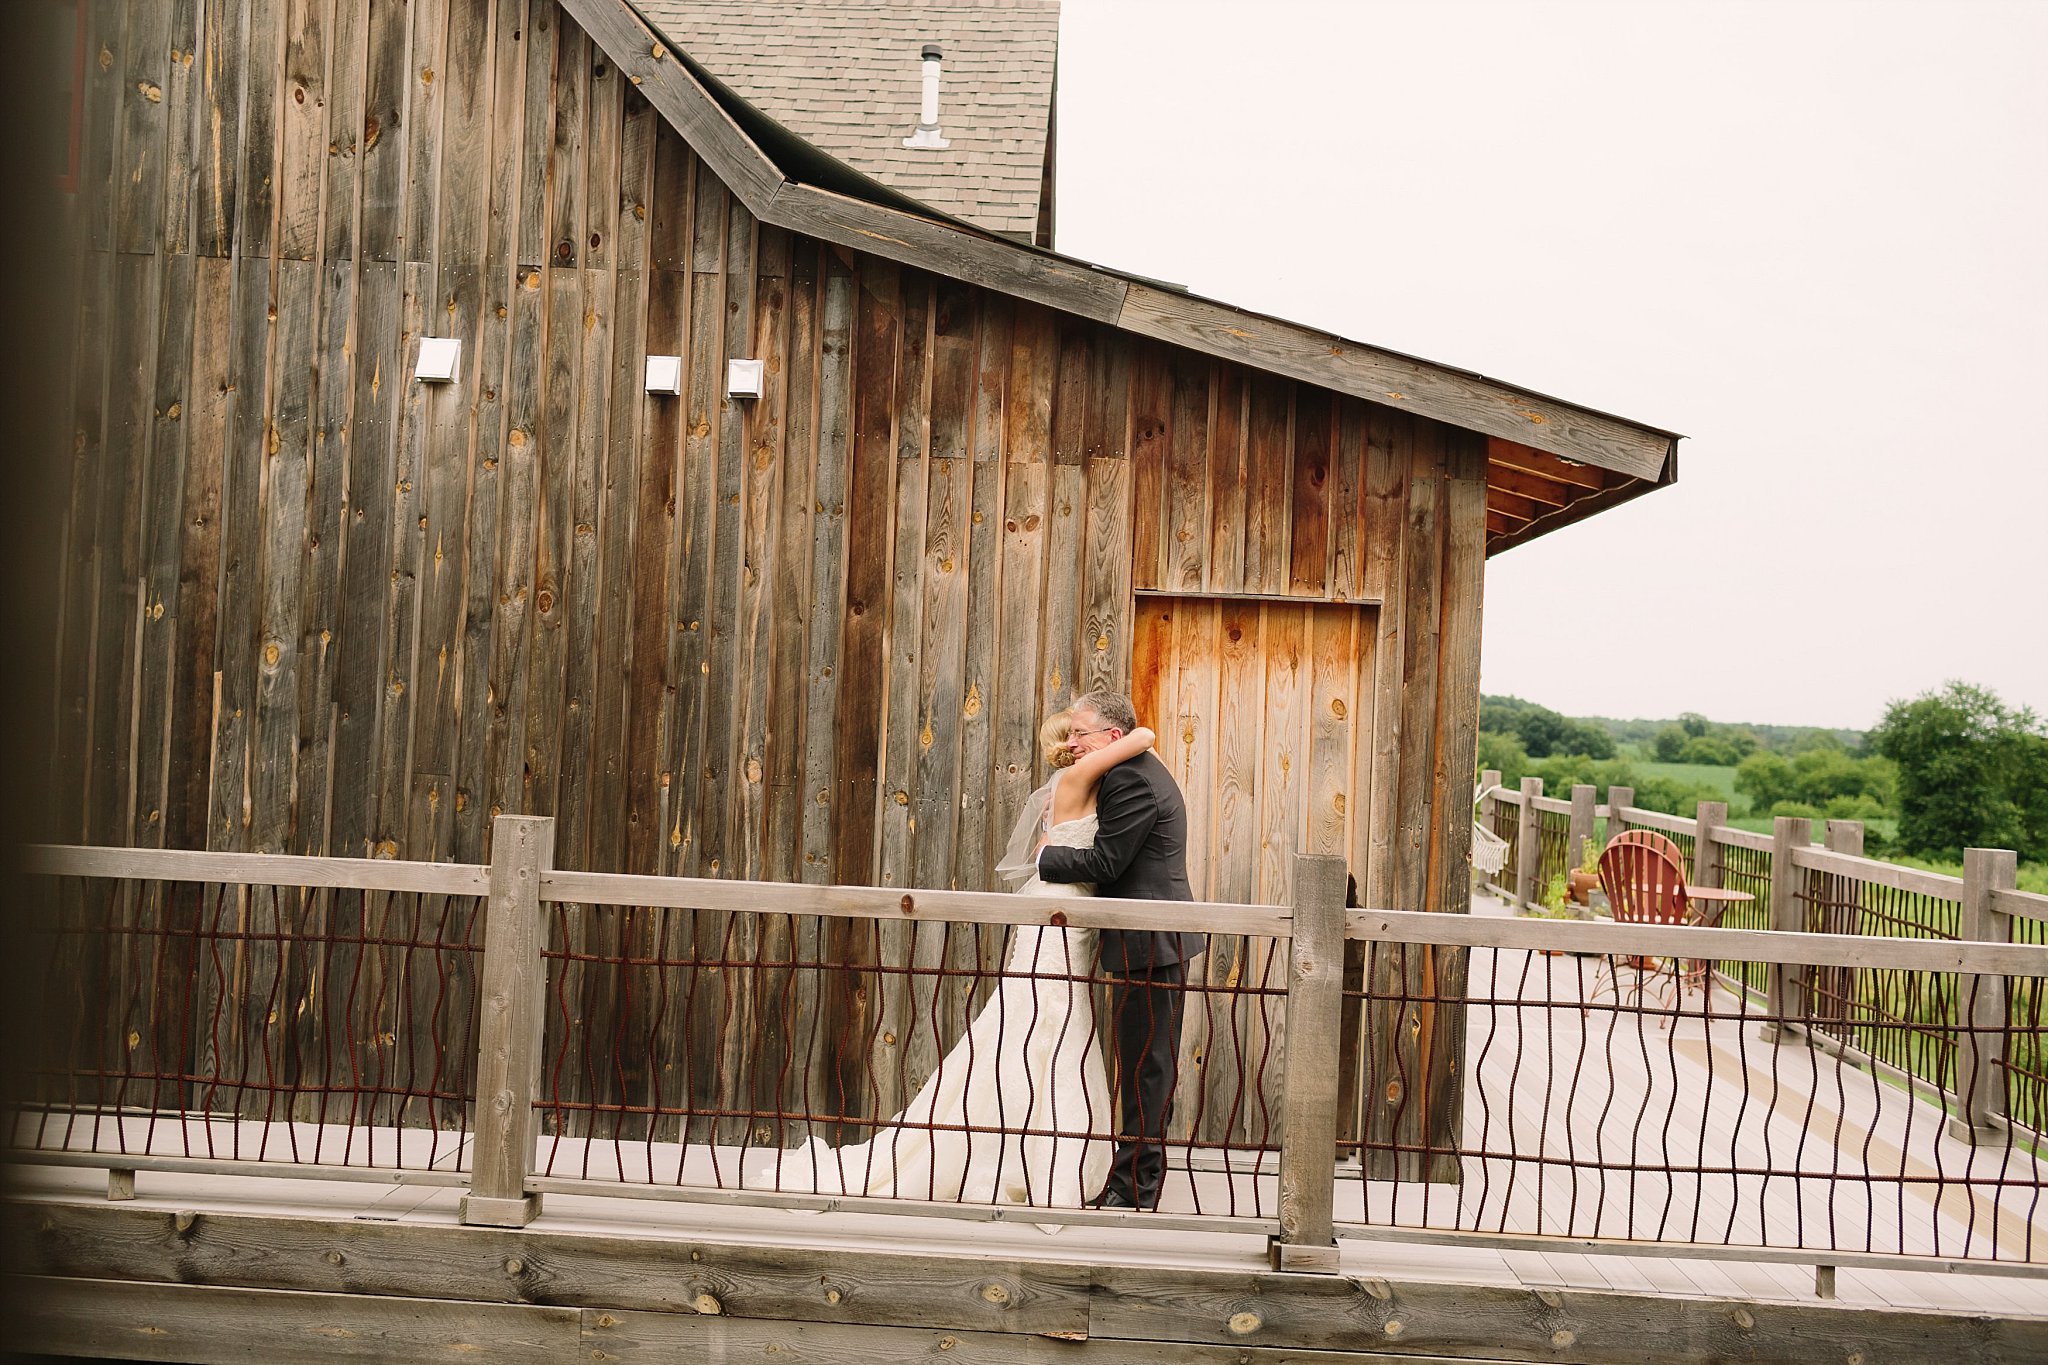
point(1140, 852)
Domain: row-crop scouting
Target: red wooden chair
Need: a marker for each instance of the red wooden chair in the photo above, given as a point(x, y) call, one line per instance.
point(1650, 838)
point(1645, 884)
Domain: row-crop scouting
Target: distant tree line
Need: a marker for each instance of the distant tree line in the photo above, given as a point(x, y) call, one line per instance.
point(1951, 769)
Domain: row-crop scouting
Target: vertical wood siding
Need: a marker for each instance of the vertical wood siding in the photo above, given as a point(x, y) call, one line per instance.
point(311, 605)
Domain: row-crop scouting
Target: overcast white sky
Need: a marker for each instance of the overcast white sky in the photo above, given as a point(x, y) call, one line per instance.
point(1813, 237)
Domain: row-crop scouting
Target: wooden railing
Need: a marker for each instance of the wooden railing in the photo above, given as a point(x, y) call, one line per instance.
point(1798, 886)
point(459, 1012)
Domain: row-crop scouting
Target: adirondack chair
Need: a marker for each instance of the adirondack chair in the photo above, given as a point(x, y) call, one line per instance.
point(1645, 884)
point(1650, 838)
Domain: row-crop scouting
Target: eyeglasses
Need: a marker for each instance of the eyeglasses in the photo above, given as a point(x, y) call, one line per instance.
point(1082, 734)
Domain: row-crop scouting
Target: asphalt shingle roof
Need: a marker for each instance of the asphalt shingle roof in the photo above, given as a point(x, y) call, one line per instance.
point(846, 77)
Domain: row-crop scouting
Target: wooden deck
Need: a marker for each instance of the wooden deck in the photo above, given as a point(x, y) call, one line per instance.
point(1703, 1099)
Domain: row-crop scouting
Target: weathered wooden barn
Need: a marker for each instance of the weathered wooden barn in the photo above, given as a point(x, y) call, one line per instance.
point(313, 604)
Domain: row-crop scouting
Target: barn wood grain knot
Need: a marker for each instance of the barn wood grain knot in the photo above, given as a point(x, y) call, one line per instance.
point(995, 1293)
point(909, 904)
point(1059, 918)
point(1741, 1318)
point(708, 1305)
point(1550, 1298)
point(1562, 1338)
point(1245, 1323)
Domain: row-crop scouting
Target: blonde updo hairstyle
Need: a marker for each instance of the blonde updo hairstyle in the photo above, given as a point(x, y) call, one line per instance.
point(1052, 739)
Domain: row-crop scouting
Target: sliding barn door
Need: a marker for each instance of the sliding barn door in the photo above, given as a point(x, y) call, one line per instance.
point(1264, 717)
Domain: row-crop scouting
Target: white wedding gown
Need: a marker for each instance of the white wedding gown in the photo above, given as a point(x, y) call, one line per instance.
point(1026, 1078)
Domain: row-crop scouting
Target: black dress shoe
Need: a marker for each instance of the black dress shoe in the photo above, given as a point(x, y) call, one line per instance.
point(1113, 1199)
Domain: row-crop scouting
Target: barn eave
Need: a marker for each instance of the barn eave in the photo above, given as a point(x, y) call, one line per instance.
point(788, 182)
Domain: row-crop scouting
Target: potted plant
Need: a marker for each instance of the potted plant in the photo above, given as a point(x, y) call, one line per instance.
point(1585, 878)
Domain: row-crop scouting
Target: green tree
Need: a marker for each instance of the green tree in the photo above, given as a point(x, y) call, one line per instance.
point(1669, 744)
point(1972, 772)
point(1766, 780)
point(1711, 750)
point(1694, 724)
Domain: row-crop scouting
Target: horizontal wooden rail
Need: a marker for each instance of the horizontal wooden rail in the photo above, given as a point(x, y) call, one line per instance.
point(1149, 1219)
point(202, 1165)
point(2020, 904)
point(1687, 1251)
point(1742, 838)
point(1919, 881)
point(256, 869)
point(1639, 818)
point(1743, 945)
point(1554, 805)
point(891, 903)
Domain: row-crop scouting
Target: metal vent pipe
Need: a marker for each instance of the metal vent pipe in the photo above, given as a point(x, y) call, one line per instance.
point(927, 134)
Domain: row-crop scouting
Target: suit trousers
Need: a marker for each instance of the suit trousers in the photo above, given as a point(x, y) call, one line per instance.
point(1148, 1004)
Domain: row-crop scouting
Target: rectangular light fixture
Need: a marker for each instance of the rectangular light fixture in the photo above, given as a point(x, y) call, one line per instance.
point(665, 374)
point(743, 378)
point(440, 360)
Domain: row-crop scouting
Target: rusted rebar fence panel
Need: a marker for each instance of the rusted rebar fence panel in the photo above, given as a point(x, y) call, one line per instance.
point(1553, 839)
point(1611, 1105)
point(224, 1016)
point(755, 1043)
point(1503, 815)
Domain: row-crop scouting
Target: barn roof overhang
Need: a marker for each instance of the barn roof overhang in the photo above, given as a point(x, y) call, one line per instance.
point(1550, 462)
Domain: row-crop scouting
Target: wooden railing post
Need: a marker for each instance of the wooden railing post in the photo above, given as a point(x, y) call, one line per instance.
point(509, 1030)
point(1844, 836)
point(1709, 816)
point(1308, 1131)
point(1617, 798)
point(1579, 827)
point(1785, 989)
point(1980, 1049)
point(1529, 843)
point(1489, 778)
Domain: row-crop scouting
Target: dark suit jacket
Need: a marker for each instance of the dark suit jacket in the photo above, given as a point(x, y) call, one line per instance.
point(1141, 853)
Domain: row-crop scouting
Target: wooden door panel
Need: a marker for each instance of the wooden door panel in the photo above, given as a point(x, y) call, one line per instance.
point(1264, 717)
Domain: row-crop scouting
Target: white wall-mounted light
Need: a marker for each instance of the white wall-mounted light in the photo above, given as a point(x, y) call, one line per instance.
point(665, 374)
point(743, 378)
point(440, 360)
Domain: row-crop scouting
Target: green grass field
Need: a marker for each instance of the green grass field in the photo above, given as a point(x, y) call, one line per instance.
point(1721, 780)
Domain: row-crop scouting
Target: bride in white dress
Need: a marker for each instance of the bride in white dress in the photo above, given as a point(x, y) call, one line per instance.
point(1008, 1115)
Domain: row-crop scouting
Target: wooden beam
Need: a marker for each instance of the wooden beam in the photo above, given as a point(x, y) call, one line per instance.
point(123, 1319)
point(1392, 380)
point(1735, 945)
point(894, 903)
point(993, 262)
point(649, 62)
point(1514, 504)
point(822, 1295)
point(1517, 455)
point(255, 869)
point(511, 1024)
point(1499, 524)
point(1549, 492)
point(1308, 1124)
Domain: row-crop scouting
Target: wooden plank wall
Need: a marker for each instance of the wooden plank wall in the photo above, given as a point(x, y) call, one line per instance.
point(314, 606)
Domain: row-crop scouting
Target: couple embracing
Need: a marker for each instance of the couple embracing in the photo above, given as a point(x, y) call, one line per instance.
point(1018, 1110)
